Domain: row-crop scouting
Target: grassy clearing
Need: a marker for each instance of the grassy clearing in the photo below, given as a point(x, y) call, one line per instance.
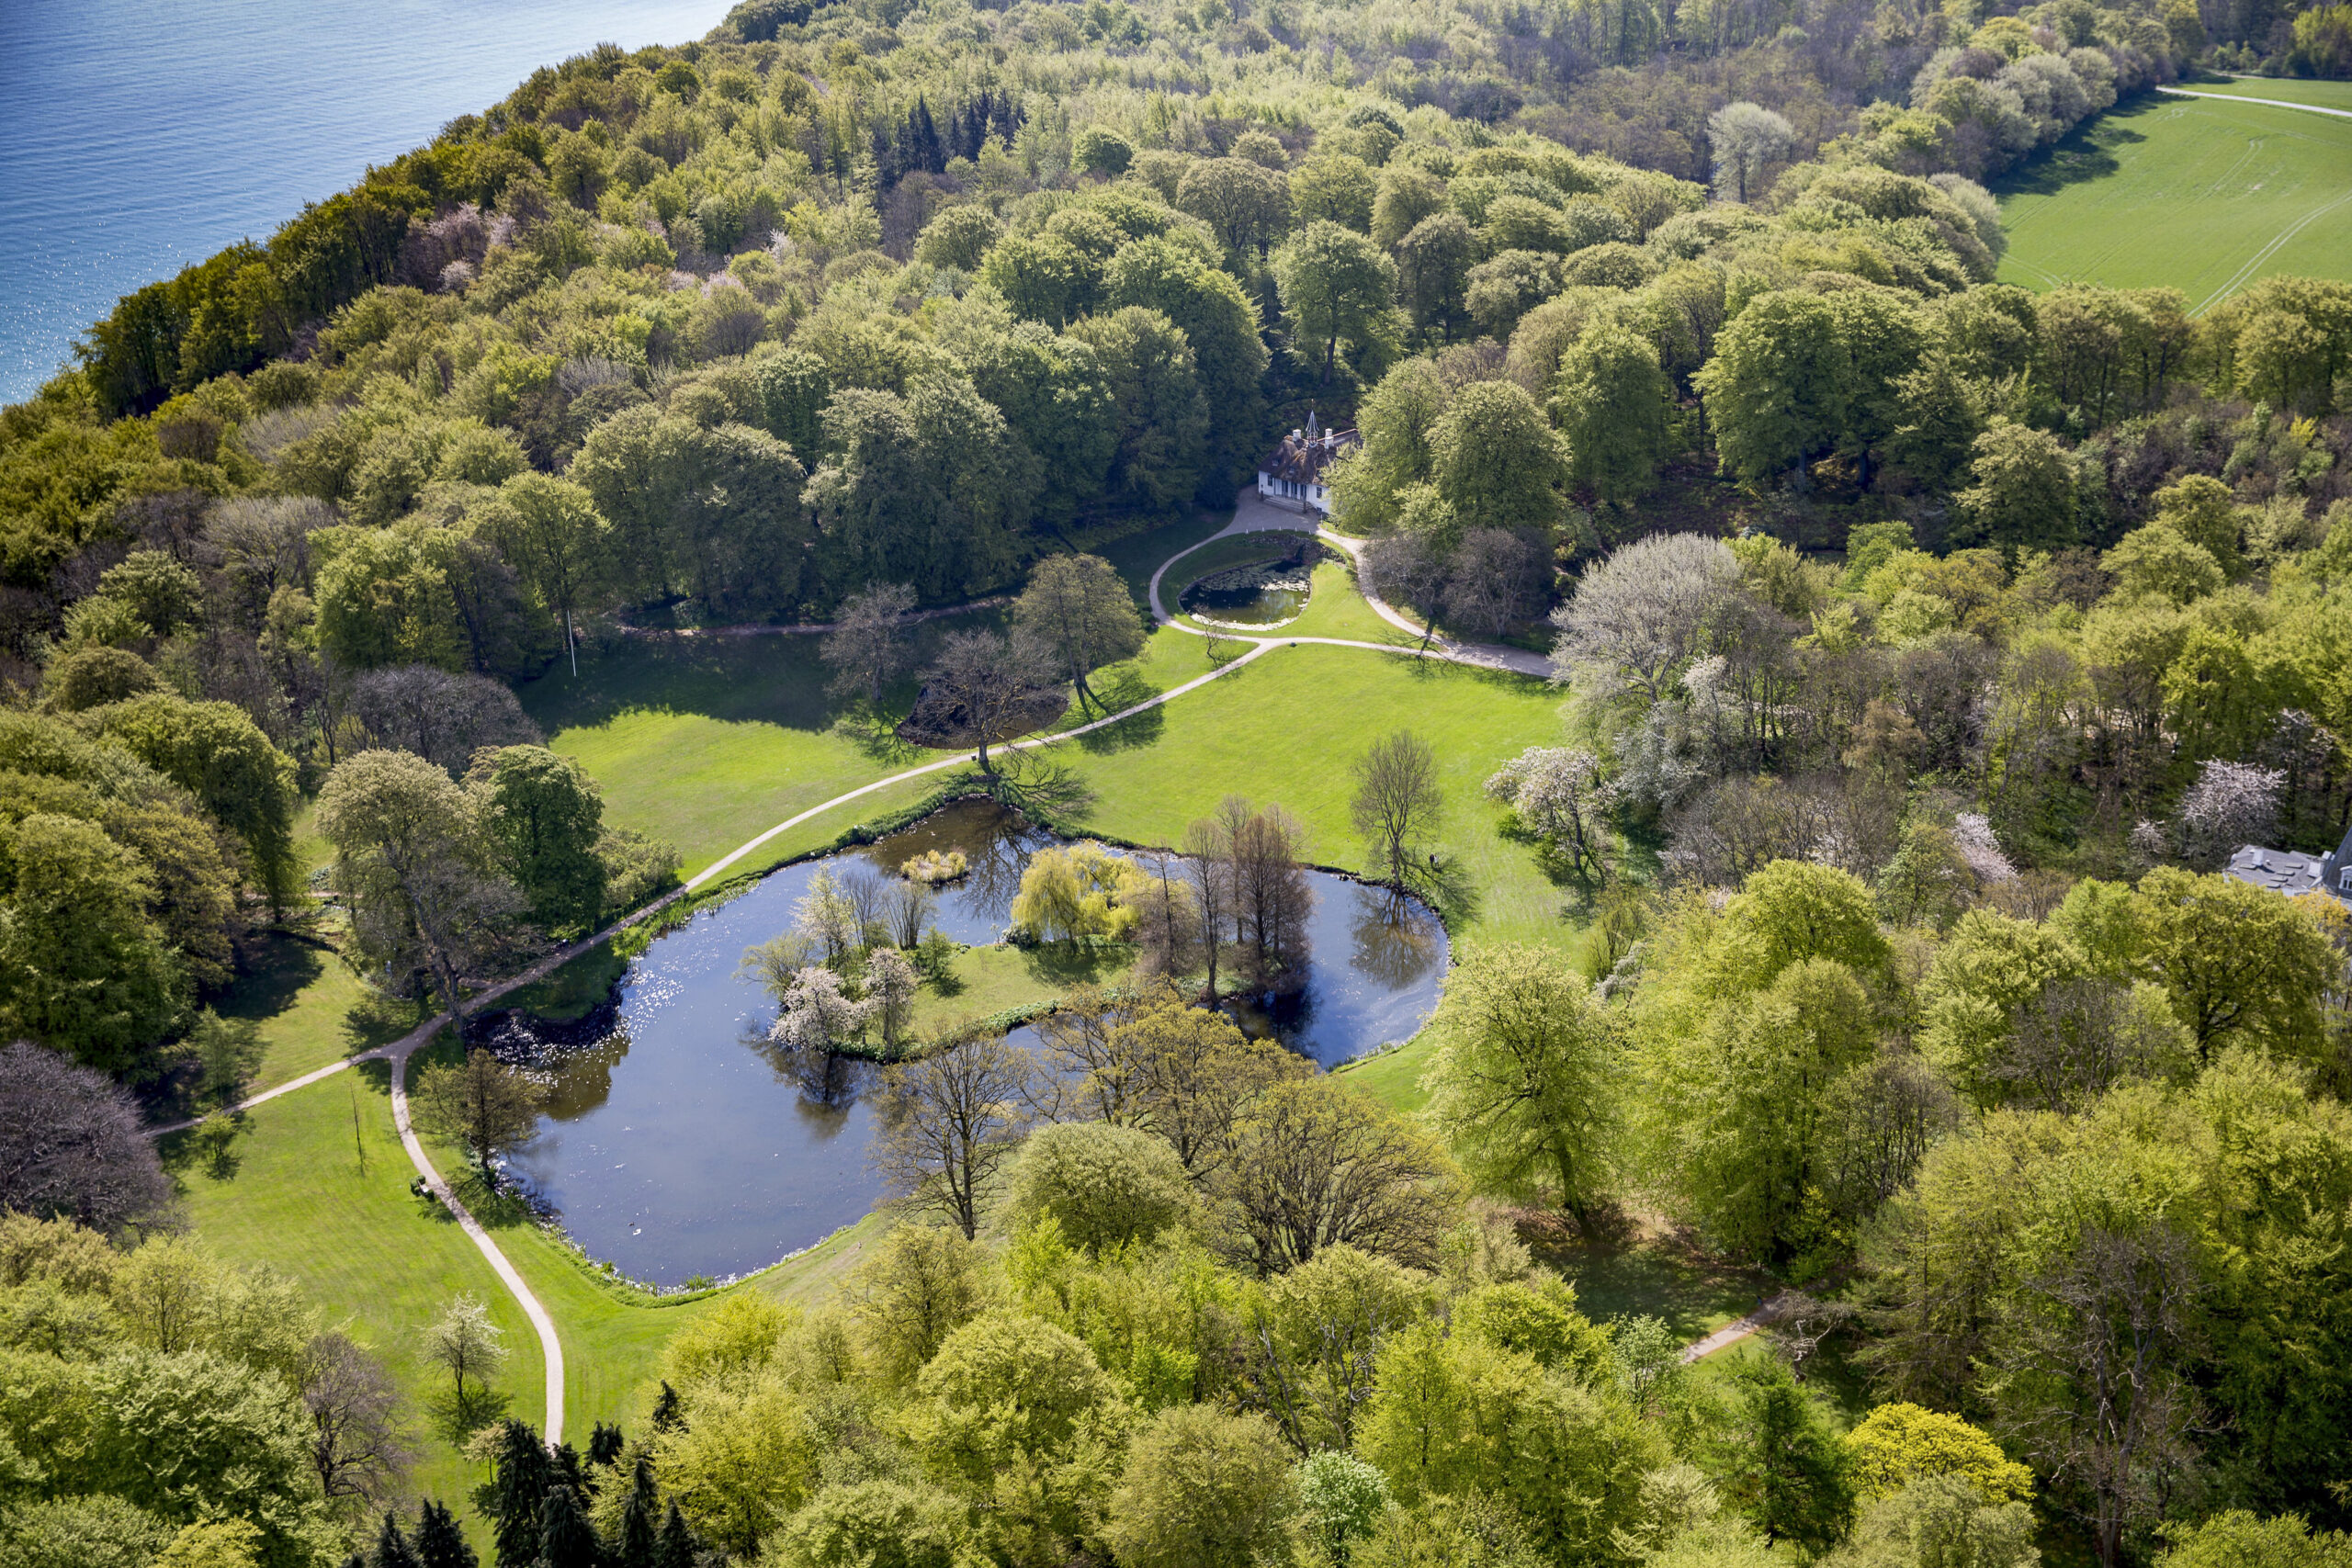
point(1392, 1077)
point(1337, 609)
point(297, 1195)
point(2284, 89)
point(2196, 194)
point(706, 741)
point(305, 1009)
point(1694, 1294)
point(1288, 727)
point(986, 981)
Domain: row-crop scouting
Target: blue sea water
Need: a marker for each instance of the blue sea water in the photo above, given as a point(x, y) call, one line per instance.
point(137, 135)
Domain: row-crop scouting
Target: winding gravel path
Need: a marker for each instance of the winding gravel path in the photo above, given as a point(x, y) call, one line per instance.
point(1251, 514)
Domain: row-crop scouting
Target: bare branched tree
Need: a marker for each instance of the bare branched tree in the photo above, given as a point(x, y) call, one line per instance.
point(1497, 578)
point(988, 679)
point(950, 1121)
point(1169, 932)
point(2088, 1379)
point(907, 908)
point(1800, 1323)
point(869, 647)
point(1272, 898)
point(2078, 1039)
point(1208, 850)
point(441, 718)
point(1090, 1069)
point(1404, 570)
point(357, 1446)
point(1877, 1124)
point(1398, 806)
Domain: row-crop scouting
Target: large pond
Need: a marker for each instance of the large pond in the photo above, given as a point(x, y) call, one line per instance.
point(683, 1144)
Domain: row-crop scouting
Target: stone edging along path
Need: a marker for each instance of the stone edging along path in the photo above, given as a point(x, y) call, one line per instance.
point(1247, 518)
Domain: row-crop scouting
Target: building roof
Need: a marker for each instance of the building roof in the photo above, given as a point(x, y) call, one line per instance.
point(2292, 873)
point(1304, 454)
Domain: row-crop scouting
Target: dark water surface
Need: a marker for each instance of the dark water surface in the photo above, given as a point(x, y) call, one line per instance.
point(138, 136)
point(1263, 595)
point(684, 1144)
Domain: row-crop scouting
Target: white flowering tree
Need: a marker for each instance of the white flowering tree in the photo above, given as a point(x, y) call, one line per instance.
point(2229, 805)
point(817, 1015)
point(1560, 797)
point(890, 984)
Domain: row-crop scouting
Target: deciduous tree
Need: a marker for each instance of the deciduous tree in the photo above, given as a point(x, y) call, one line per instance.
point(1527, 1077)
point(950, 1124)
point(480, 1102)
point(1397, 807)
point(1079, 608)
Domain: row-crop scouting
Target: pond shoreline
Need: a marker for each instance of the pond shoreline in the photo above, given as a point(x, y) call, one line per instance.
point(679, 1142)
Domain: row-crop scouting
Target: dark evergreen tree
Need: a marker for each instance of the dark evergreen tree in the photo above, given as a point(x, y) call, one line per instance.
point(564, 1469)
point(440, 1542)
point(566, 1540)
point(1789, 1471)
point(640, 1542)
point(392, 1549)
point(605, 1444)
point(520, 1493)
point(678, 1547)
point(667, 1416)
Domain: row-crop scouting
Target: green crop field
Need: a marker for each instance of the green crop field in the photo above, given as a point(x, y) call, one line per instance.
point(2194, 194)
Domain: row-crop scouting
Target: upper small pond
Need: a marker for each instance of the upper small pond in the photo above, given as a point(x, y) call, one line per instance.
point(683, 1143)
point(1256, 593)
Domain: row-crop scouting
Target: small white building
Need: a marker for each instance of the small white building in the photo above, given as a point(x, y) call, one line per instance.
point(2293, 874)
point(1296, 473)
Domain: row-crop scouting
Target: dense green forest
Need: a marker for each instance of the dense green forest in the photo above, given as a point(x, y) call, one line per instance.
point(1926, 647)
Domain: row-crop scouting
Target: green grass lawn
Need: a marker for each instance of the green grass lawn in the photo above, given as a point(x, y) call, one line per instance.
point(2196, 194)
point(1392, 1077)
point(381, 1264)
point(707, 742)
point(1336, 609)
point(2285, 89)
point(1288, 727)
point(305, 1008)
point(1695, 1295)
point(986, 981)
